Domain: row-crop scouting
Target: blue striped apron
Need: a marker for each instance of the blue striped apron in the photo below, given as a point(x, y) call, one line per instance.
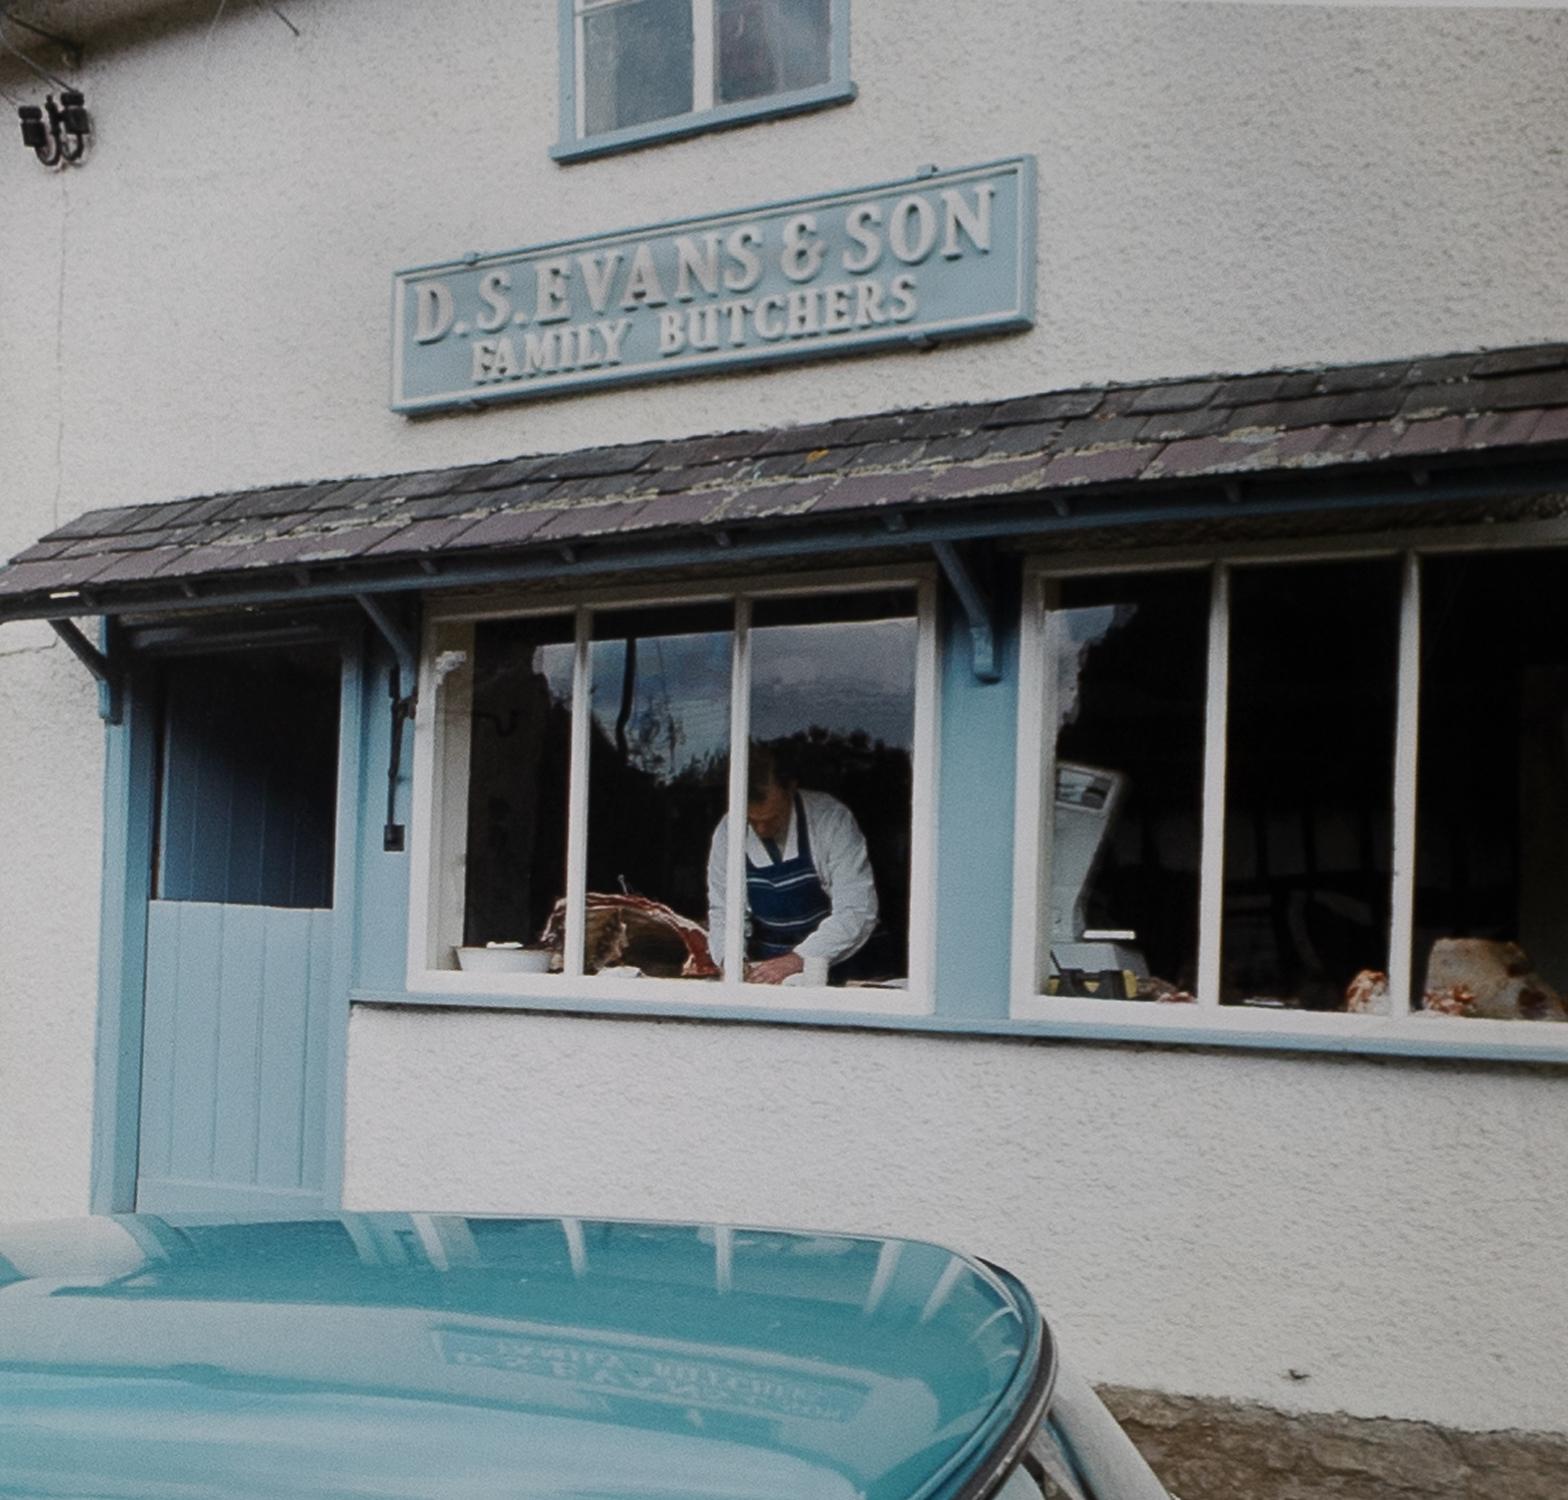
point(785, 897)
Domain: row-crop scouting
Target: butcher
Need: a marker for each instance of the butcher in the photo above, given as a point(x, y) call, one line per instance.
point(810, 897)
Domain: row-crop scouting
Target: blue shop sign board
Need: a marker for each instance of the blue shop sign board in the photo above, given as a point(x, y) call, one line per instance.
point(936, 256)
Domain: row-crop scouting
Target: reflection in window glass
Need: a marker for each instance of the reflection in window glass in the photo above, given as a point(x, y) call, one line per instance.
point(637, 63)
point(770, 46)
point(658, 783)
point(1309, 785)
point(519, 753)
point(1127, 664)
point(1492, 788)
point(830, 788)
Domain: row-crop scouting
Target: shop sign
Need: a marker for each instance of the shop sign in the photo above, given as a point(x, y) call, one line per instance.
point(937, 256)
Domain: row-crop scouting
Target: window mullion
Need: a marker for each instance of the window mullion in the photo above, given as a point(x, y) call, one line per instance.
point(577, 797)
point(1402, 896)
point(704, 60)
point(733, 958)
point(1211, 905)
point(580, 73)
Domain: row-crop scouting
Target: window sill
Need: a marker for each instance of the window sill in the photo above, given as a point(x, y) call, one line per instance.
point(701, 997)
point(1421, 1038)
point(678, 127)
point(1416, 1035)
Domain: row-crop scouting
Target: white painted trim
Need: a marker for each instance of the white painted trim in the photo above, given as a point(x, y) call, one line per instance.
point(1031, 826)
point(1211, 868)
point(577, 787)
point(1402, 895)
point(704, 56)
point(923, 810)
point(665, 995)
point(1288, 1027)
point(733, 959)
point(438, 774)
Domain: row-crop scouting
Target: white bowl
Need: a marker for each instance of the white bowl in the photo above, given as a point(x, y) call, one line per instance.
point(504, 960)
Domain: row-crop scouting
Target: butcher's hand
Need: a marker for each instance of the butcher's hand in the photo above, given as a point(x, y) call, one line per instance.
point(775, 970)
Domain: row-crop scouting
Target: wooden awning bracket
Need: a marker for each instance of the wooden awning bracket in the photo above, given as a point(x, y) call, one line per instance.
point(977, 607)
point(403, 687)
point(104, 666)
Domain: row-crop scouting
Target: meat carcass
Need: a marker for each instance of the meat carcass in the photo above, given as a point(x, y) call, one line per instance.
point(637, 932)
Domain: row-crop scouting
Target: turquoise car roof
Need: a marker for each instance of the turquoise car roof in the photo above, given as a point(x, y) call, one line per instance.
point(426, 1355)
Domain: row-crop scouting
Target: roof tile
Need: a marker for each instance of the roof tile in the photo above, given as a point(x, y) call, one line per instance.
point(1101, 432)
point(678, 510)
point(1009, 476)
point(1537, 388)
point(507, 528)
point(868, 491)
point(958, 447)
point(1514, 361)
point(620, 459)
point(1362, 377)
point(1026, 437)
point(587, 520)
point(1052, 407)
point(1183, 396)
point(1552, 428)
point(1106, 466)
point(788, 499)
point(1432, 437)
point(1446, 367)
point(100, 522)
point(55, 573)
point(133, 567)
point(422, 536)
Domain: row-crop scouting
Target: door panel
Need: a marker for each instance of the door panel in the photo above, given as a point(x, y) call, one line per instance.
point(238, 1006)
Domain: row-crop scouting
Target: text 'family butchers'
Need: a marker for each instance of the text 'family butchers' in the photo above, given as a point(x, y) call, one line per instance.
point(708, 290)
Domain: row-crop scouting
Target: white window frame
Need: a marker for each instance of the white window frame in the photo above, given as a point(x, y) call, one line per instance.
point(1207, 1021)
point(440, 775)
point(707, 112)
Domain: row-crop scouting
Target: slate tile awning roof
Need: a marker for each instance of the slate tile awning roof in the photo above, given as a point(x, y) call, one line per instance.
point(1056, 452)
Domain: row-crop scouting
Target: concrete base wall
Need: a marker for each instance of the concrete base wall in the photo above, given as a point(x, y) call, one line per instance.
point(1226, 1450)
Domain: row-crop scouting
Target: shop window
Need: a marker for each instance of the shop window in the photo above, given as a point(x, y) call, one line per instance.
point(643, 70)
point(587, 778)
point(1312, 800)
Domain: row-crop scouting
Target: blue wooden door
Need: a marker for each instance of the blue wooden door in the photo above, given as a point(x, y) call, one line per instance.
point(243, 997)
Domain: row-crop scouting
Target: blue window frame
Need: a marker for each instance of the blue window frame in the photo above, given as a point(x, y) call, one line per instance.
point(638, 71)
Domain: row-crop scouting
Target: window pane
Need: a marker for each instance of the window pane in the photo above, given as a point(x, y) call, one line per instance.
point(520, 735)
point(658, 783)
point(637, 63)
point(1492, 788)
point(770, 46)
point(832, 722)
point(1126, 672)
point(249, 773)
point(1309, 784)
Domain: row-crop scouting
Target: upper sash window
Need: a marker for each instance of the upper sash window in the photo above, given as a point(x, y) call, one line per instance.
point(635, 71)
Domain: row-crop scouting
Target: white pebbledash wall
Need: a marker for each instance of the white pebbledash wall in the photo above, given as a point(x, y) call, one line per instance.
point(205, 305)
